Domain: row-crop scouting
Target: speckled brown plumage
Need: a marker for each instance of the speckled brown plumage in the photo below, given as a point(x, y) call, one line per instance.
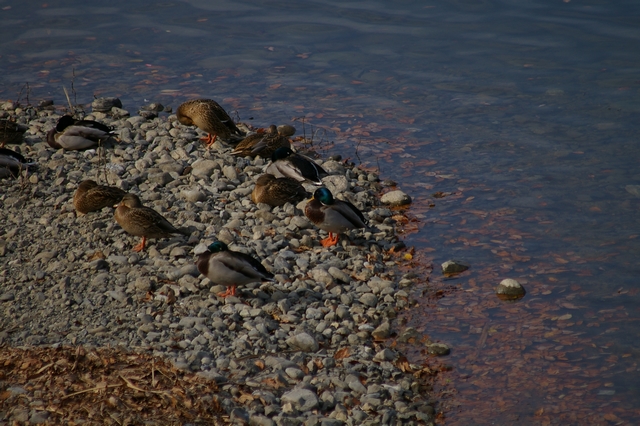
point(10, 132)
point(210, 117)
point(262, 144)
point(143, 221)
point(90, 197)
point(277, 191)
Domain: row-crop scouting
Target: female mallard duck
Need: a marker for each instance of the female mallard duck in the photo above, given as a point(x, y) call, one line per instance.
point(143, 221)
point(10, 132)
point(286, 163)
point(90, 197)
point(333, 216)
point(262, 144)
point(72, 134)
point(230, 268)
point(210, 117)
point(12, 163)
point(277, 191)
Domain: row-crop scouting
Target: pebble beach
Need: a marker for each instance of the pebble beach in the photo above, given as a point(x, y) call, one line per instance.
point(309, 348)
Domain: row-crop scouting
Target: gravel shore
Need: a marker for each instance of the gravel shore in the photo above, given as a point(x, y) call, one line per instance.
point(308, 348)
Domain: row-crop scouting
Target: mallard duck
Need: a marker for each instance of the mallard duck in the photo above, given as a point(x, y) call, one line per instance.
point(286, 163)
point(72, 134)
point(10, 132)
point(143, 221)
point(210, 117)
point(90, 196)
point(12, 163)
point(277, 191)
point(332, 215)
point(262, 144)
point(230, 268)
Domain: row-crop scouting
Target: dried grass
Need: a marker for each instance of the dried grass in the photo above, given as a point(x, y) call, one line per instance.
point(105, 386)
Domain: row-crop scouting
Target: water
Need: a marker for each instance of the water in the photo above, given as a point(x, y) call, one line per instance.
point(525, 114)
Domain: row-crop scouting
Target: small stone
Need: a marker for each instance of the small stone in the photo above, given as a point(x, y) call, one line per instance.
point(105, 104)
point(369, 299)
point(304, 342)
point(438, 349)
point(7, 297)
point(396, 198)
point(385, 355)
point(383, 331)
point(302, 399)
point(193, 195)
point(510, 289)
point(453, 267)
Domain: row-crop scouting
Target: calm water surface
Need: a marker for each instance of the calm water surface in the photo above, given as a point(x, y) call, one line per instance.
point(526, 114)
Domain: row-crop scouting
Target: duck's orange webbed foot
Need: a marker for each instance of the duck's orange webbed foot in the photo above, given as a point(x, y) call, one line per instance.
point(140, 246)
point(331, 240)
point(231, 291)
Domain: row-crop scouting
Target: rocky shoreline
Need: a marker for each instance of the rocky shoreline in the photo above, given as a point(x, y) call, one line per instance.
point(308, 348)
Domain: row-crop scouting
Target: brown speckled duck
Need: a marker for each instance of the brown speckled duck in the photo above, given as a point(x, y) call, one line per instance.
point(210, 117)
point(332, 215)
point(10, 132)
point(278, 191)
point(262, 144)
point(91, 197)
point(72, 134)
point(230, 268)
point(143, 221)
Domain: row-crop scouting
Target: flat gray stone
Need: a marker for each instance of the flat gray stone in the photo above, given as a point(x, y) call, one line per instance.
point(396, 198)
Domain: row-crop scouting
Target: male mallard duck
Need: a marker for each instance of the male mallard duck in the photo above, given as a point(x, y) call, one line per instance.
point(10, 132)
point(262, 144)
point(332, 215)
point(72, 134)
point(12, 163)
point(286, 163)
point(143, 221)
point(230, 268)
point(210, 117)
point(90, 196)
point(277, 191)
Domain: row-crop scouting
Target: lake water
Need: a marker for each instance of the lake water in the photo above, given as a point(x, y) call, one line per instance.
point(525, 115)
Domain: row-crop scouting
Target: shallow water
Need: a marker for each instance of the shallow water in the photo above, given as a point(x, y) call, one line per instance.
point(525, 114)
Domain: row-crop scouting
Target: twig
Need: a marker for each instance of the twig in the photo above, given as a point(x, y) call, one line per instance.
point(90, 390)
point(358, 146)
point(44, 368)
point(139, 389)
point(68, 100)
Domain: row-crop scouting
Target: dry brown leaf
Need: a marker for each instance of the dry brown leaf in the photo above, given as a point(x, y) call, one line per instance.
point(342, 353)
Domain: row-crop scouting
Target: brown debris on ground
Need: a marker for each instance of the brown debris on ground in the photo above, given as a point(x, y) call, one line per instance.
point(106, 386)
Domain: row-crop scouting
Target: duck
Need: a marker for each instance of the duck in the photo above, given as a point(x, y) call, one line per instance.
point(12, 163)
point(90, 197)
point(143, 221)
point(72, 134)
point(286, 163)
point(332, 215)
point(209, 116)
point(230, 268)
point(10, 132)
point(278, 191)
point(262, 144)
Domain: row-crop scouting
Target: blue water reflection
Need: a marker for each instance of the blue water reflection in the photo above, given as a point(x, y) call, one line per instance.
point(528, 110)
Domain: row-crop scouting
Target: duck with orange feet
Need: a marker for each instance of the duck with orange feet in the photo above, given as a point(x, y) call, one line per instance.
point(209, 116)
point(143, 221)
point(333, 215)
point(230, 268)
